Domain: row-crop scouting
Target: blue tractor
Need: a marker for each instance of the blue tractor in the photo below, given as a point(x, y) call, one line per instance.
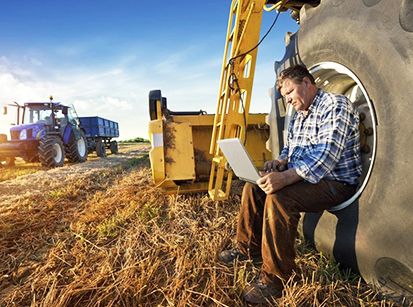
point(45, 132)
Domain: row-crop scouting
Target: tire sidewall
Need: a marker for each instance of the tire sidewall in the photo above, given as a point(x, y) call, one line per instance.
point(114, 149)
point(73, 152)
point(380, 55)
point(100, 149)
point(46, 152)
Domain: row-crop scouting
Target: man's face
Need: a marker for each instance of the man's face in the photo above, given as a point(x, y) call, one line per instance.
point(298, 94)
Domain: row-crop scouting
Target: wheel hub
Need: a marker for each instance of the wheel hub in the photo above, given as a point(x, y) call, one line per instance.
point(57, 150)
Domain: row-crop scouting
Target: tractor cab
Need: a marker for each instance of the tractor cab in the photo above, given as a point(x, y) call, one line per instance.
point(35, 119)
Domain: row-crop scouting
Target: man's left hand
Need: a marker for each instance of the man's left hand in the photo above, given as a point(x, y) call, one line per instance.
point(275, 181)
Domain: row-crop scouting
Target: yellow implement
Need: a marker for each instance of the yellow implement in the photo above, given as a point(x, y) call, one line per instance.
point(185, 156)
point(180, 157)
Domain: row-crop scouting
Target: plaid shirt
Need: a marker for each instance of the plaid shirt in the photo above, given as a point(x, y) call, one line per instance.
point(324, 144)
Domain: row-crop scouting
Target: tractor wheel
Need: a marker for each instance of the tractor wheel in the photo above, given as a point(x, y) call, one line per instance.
point(100, 148)
point(360, 49)
point(76, 150)
point(51, 151)
point(114, 147)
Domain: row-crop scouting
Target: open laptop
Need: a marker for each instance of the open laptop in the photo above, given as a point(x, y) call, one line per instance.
point(239, 160)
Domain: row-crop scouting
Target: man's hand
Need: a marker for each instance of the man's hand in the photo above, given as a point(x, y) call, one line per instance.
point(275, 166)
point(275, 181)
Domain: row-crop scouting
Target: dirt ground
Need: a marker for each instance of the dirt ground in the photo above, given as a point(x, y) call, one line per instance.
point(45, 180)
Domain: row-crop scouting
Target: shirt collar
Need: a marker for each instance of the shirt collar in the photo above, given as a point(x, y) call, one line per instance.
point(313, 105)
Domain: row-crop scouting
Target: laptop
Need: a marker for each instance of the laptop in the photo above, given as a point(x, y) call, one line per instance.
point(239, 160)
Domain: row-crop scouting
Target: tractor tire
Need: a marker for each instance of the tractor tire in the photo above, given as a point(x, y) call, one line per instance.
point(114, 149)
point(361, 48)
point(51, 151)
point(76, 150)
point(100, 149)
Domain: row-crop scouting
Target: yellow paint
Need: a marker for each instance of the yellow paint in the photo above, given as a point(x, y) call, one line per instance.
point(179, 151)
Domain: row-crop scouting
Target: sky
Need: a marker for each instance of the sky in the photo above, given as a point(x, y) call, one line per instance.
point(104, 56)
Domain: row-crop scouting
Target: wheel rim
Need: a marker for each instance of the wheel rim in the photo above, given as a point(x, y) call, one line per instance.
point(81, 147)
point(58, 153)
point(336, 78)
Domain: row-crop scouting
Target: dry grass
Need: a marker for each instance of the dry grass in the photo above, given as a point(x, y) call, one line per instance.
point(21, 168)
point(112, 239)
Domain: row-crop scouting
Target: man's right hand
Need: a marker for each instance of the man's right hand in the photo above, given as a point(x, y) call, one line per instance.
point(275, 166)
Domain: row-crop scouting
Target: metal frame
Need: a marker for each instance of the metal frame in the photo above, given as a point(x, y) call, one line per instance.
point(235, 90)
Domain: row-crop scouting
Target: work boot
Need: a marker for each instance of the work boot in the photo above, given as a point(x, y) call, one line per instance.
point(259, 292)
point(228, 256)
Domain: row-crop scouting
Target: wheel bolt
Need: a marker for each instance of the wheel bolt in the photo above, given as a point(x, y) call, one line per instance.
point(362, 116)
point(365, 149)
point(368, 131)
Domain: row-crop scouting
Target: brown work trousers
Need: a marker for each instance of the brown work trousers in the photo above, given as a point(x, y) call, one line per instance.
point(267, 224)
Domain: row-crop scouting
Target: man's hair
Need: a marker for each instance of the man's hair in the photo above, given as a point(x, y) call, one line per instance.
point(296, 73)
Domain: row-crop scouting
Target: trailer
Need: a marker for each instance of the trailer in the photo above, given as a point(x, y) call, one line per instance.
point(99, 134)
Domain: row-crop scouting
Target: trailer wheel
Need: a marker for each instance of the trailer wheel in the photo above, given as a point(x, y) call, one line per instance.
point(100, 148)
point(51, 151)
point(76, 150)
point(114, 149)
point(363, 51)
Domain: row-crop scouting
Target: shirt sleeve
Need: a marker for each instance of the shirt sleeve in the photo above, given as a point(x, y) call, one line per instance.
point(284, 154)
point(332, 136)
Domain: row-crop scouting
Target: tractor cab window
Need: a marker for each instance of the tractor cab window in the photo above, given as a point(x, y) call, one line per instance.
point(60, 117)
point(37, 115)
point(72, 116)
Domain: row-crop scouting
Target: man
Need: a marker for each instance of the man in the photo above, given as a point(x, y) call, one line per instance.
point(317, 169)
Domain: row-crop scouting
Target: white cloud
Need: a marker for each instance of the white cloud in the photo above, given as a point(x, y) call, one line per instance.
point(119, 91)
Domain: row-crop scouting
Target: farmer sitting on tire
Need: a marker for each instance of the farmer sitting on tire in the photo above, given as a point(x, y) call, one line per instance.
point(317, 169)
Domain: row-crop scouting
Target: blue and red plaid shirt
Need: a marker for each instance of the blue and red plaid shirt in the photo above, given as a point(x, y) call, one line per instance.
point(324, 143)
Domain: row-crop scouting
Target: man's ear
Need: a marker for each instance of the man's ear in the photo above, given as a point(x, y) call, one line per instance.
point(306, 81)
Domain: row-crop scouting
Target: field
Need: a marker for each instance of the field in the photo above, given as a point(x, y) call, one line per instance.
point(100, 234)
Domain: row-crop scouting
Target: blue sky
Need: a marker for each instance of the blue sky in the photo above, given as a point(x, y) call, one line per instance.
point(105, 56)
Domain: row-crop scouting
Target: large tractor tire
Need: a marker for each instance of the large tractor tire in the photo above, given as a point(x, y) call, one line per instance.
point(76, 150)
point(364, 49)
point(100, 148)
point(114, 149)
point(51, 151)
